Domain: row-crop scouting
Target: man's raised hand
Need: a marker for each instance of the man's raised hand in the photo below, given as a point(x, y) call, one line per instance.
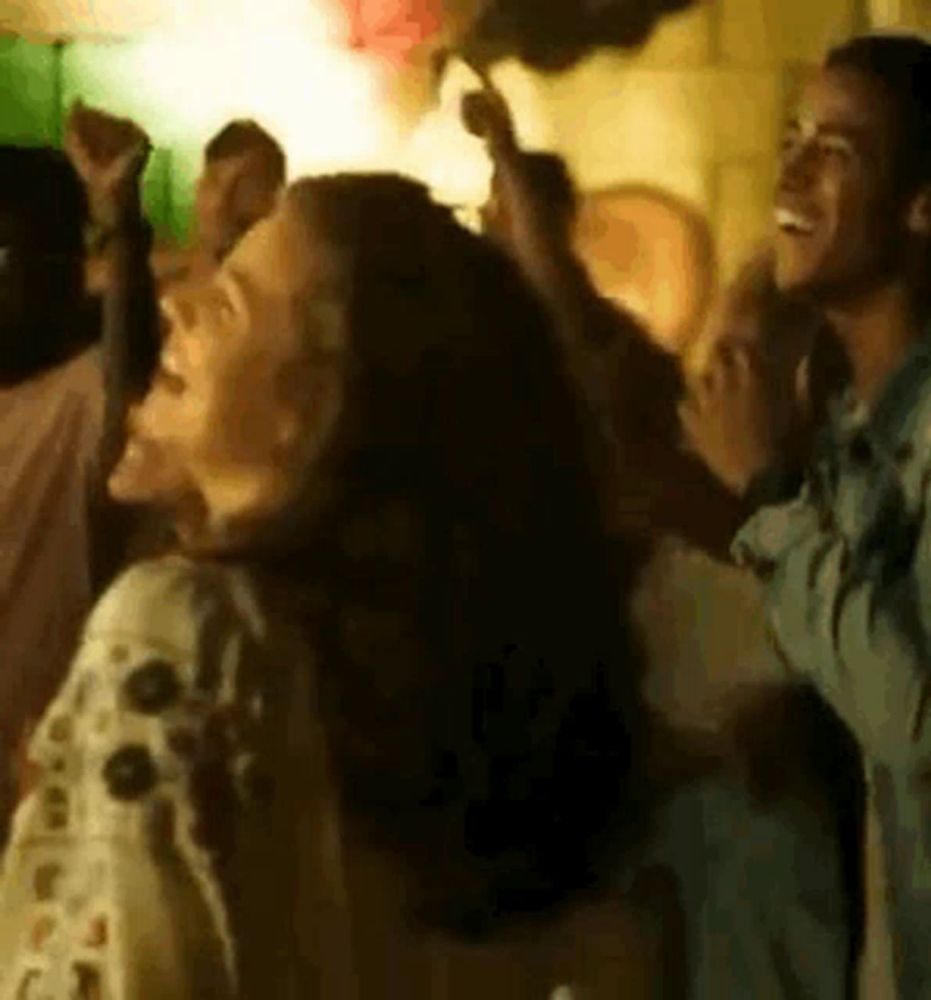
point(109, 154)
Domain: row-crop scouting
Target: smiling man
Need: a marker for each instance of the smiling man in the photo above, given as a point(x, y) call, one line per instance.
point(847, 563)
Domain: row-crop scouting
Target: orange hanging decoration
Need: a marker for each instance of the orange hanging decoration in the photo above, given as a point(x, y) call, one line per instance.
point(392, 29)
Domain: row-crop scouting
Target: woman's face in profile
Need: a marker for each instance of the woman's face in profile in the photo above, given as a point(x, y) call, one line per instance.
point(229, 409)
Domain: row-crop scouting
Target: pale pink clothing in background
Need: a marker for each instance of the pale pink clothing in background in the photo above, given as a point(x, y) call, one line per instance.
point(50, 429)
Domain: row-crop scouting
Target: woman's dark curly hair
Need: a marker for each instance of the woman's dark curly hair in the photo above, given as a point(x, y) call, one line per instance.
point(478, 689)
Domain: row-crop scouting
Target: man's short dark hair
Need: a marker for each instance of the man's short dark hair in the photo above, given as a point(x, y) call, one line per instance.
point(42, 215)
point(43, 208)
point(901, 65)
point(245, 136)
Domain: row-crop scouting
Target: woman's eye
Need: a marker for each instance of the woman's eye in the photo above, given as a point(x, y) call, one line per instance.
point(221, 306)
point(169, 380)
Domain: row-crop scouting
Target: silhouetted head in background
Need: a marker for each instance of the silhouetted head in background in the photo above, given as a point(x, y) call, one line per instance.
point(42, 216)
point(244, 170)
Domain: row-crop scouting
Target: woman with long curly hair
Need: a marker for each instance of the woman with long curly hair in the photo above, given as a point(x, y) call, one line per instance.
point(388, 631)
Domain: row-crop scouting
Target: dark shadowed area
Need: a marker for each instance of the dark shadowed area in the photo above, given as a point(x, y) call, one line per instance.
point(552, 35)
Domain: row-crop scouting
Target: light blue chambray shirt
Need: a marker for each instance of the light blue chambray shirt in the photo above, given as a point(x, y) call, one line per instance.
point(847, 565)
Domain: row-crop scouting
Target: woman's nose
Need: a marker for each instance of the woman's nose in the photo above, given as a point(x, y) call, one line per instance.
point(132, 418)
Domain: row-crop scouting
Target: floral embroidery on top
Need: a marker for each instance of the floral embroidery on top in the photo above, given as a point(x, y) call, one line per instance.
point(121, 754)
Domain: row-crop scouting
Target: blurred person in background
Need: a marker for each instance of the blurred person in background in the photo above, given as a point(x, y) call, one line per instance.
point(243, 173)
point(51, 425)
point(62, 400)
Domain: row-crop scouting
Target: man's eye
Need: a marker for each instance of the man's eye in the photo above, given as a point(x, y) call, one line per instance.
point(836, 148)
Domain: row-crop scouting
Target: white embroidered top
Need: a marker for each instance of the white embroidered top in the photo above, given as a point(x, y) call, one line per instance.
point(181, 840)
point(159, 835)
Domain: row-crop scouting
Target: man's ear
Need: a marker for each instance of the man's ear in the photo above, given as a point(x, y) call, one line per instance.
point(918, 215)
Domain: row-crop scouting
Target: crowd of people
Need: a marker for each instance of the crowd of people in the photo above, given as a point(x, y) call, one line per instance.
point(320, 670)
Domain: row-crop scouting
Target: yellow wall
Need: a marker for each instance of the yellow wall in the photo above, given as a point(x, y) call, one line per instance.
point(696, 112)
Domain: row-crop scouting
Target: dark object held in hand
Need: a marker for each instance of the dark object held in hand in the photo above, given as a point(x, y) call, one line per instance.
point(552, 35)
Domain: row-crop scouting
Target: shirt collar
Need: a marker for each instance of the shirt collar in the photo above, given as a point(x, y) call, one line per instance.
point(897, 400)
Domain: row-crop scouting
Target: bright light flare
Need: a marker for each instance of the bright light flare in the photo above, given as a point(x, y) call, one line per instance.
point(290, 65)
point(320, 100)
point(442, 153)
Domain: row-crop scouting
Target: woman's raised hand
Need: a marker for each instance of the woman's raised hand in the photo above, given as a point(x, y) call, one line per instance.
point(486, 115)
